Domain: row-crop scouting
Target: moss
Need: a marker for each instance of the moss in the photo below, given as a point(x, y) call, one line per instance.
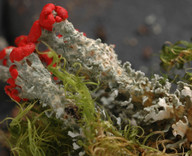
point(32, 133)
point(176, 57)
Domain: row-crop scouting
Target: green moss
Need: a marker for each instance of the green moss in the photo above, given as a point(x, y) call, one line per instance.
point(176, 55)
point(32, 133)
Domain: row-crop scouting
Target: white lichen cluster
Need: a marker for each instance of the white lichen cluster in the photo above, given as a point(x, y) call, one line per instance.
point(127, 93)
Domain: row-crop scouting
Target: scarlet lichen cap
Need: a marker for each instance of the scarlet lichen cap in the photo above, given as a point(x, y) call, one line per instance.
point(13, 71)
point(21, 40)
point(59, 35)
point(12, 92)
point(47, 18)
point(11, 81)
point(5, 62)
point(61, 12)
point(35, 32)
point(45, 58)
point(14, 95)
point(19, 53)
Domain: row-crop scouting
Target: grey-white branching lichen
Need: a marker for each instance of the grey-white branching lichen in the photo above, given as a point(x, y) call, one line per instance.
point(99, 100)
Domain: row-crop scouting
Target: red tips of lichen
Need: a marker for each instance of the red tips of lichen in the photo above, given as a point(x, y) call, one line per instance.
point(13, 71)
point(11, 81)
point(61, 12)
point(48, 18)
point(28, 49)
point(5, 62)
point(16, 54)
point(58, 19)
point(21, 40)
point(35, 32)
point(13, 93)
point(48, 8)
point(45, 58)
point(20, 52)
point(47, 21)
point(55, 78)
point(59, 35)
point(11, 88)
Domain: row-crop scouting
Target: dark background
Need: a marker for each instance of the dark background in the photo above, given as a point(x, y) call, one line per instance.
point(137, 28)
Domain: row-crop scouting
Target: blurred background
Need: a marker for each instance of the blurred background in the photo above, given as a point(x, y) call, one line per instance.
point(137, 28)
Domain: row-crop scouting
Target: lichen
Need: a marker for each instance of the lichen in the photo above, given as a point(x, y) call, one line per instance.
point(101, 105)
